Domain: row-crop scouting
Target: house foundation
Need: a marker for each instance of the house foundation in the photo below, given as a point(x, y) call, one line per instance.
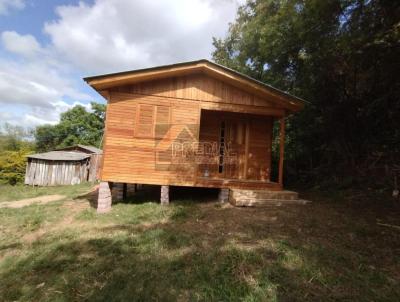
point(104, 200)
point(223, 195)
point(164, 199)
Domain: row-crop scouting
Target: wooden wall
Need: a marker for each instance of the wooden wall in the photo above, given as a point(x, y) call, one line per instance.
point(248, 138)
point(144, 119)
point(51, 173)
point(95, 167)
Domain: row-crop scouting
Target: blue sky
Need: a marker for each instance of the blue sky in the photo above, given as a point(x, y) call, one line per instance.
point(46, 47)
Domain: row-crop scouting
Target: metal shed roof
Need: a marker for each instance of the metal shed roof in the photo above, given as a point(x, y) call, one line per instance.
point(88, 148)
point(60, 155)
point(91, 148)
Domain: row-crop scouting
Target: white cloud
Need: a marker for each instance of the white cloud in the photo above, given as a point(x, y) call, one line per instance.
point(35, 83)
point(33, 88)
point(25, 45)
point(113, 35)
point(30, 117)
point(7, 5)
point(105, 36)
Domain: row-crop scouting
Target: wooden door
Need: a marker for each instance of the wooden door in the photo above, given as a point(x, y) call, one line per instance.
point(234, 147)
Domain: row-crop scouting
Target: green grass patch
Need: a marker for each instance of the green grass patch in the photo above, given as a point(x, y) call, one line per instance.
point(125, 213)
point(18, 192)
point(189, 251)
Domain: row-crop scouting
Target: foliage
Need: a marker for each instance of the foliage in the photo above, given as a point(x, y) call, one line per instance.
point(12, 166)
point(341, 56)
point(14, 138)
point(15, 144)
point(76, 126)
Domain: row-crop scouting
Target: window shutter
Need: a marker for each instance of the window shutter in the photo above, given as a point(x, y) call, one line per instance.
point(162, 121)
point(145, 121)
point(152, 121)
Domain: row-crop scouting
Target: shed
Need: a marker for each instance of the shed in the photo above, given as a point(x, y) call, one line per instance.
point(196, 124)
point(66, 166)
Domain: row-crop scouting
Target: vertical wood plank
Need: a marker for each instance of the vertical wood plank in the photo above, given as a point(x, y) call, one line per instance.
point(281, 149)
point(246, 149)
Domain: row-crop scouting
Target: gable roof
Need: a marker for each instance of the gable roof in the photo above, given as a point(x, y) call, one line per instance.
point(237, 79)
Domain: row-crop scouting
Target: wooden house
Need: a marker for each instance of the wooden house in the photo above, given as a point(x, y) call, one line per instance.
point(66, 166)
point(191, 124)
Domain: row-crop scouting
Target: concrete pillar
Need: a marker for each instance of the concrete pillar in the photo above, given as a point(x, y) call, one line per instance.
point(117, 191)
point(223, 195)
point(104, 198)
point(164, 195)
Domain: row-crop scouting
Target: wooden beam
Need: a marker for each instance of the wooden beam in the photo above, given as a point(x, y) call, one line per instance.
point(246, 150)
point(281, 149)
point(104, 138)
point(107, 81)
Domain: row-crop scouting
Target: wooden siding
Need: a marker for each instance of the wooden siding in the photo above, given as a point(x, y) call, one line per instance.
point(211, 71)
point(144, 119)
point(51, 173)
point(197, 87)
point(41, 172)
point(249, 140)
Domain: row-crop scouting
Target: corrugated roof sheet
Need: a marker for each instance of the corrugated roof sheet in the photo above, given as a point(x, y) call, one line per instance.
point(87, 148)
point(91, 148)
point(60, 155)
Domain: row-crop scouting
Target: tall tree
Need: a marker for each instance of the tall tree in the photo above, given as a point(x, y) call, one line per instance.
point(76, 126)
point(340, 55)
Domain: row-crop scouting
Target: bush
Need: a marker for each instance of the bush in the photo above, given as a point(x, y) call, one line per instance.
point(12, 166)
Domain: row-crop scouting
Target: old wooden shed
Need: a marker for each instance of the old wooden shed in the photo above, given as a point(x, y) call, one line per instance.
point(191, 124)
point(66, 166)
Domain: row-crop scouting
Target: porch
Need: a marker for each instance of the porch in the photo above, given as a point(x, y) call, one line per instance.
point(236, 151)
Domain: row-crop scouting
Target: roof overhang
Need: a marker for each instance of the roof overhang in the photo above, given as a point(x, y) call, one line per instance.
point(102, 83)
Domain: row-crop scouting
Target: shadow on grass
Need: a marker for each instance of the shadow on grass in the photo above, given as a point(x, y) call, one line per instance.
point(203, 256)
point(181, 195)
point(193, 251)
point(151, 193)
point(155, 265)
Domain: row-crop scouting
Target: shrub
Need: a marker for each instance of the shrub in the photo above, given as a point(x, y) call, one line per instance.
point(12, 166)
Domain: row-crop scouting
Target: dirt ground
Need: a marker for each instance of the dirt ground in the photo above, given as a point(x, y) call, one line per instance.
point(29, 201)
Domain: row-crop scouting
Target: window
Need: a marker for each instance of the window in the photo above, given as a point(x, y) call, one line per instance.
point(152, 121)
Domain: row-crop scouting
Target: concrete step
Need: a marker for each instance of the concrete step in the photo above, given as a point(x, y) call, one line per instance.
point(263, 194)
point(267, 202)
point(254, 198)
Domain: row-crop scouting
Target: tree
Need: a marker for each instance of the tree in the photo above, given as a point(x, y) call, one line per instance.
point(340, 55)
point(14, 138)
point(76, 126)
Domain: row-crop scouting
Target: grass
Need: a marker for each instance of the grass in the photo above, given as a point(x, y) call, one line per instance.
point(18, 192)
point(191, 251)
